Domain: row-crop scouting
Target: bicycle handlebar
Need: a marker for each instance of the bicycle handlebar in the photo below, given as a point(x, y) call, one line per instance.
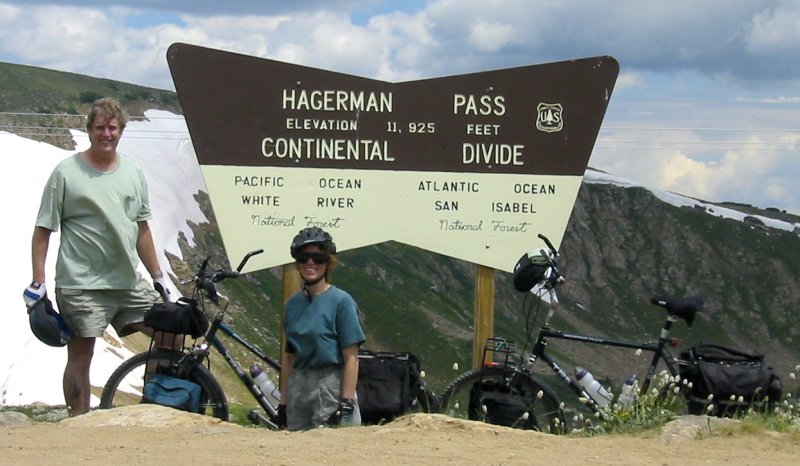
point(548, 243)
point(247, 258)
point(208, 283)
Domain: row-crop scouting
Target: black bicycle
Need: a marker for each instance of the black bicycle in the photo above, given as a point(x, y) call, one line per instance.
point(125, 385)
point(505, 390)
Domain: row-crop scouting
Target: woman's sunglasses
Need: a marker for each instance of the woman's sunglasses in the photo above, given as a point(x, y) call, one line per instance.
point(316, 257)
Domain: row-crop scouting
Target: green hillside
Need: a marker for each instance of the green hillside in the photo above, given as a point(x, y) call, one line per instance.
point(43, 104)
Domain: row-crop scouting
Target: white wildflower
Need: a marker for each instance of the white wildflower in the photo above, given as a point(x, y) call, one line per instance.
point(525, 416)
point(455, 366)
point(484, 409)
point(422, 374)
point(639, 352)
point(540, 394)
point(791, 376)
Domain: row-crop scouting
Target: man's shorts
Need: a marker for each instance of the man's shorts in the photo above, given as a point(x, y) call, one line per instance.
point(89, 312)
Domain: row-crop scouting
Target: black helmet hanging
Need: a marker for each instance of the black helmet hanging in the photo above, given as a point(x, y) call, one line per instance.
point(48, 325)
point(531, 269)
point(312, 235)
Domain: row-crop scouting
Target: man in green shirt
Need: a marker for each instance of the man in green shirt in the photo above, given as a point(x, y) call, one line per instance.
point(98, 199)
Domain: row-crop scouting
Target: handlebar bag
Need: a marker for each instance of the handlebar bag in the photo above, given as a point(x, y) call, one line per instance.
point(736, 378)
point(388, 385)
point(172, 392)
point(182, 317)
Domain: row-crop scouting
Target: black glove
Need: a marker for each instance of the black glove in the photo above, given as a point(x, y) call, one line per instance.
point(160, 285)
point(281, 417)
point(343, 416)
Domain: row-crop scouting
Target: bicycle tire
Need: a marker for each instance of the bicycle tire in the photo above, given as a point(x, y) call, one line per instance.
point(130, 375)
point(543, 410)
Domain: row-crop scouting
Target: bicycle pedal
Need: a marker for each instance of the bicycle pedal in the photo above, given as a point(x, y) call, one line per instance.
point(256, 418)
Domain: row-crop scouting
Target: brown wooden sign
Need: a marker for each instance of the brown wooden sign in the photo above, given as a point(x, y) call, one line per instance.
point(472, 166)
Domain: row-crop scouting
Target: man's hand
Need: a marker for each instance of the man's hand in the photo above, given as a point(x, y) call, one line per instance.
point(33, 293)
point(160, 285)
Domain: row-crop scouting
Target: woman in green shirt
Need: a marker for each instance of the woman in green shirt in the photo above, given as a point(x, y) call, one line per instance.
point(319, 369)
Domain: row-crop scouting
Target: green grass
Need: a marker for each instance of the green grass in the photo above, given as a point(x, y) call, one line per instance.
point(664, 402)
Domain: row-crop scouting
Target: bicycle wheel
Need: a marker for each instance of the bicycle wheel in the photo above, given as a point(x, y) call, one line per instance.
point(125, 385)
point(501, 396)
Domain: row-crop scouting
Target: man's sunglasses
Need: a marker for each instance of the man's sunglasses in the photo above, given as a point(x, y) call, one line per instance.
point(316, 257)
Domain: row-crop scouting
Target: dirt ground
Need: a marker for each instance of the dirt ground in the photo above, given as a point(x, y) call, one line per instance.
point(155, 435)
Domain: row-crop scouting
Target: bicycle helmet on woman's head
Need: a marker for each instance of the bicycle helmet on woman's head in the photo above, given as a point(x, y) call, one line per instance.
point(48, 325)
point(312, 235)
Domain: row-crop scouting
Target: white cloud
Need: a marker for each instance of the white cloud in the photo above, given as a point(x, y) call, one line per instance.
point(775, 31)
point(759, 171)
point(486, 36)
point(627, 80)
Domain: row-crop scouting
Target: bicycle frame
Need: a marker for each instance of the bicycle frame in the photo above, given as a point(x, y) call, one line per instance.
point(214, 341)
point(659, 352)
point(211, 339)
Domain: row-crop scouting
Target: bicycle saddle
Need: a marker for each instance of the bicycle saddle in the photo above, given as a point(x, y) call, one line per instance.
point(685, 308)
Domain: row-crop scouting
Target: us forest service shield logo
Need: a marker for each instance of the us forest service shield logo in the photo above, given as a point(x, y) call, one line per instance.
point(549, 118)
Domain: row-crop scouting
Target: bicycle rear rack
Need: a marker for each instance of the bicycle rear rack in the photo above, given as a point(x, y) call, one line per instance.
point(499, 352)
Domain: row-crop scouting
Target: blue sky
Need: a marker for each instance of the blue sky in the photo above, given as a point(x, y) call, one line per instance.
point(707, 103)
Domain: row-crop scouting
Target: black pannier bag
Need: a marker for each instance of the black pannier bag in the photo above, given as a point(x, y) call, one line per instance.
point(499, 405)
point(736, 379)
point(389, 385)
point(181, 317)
